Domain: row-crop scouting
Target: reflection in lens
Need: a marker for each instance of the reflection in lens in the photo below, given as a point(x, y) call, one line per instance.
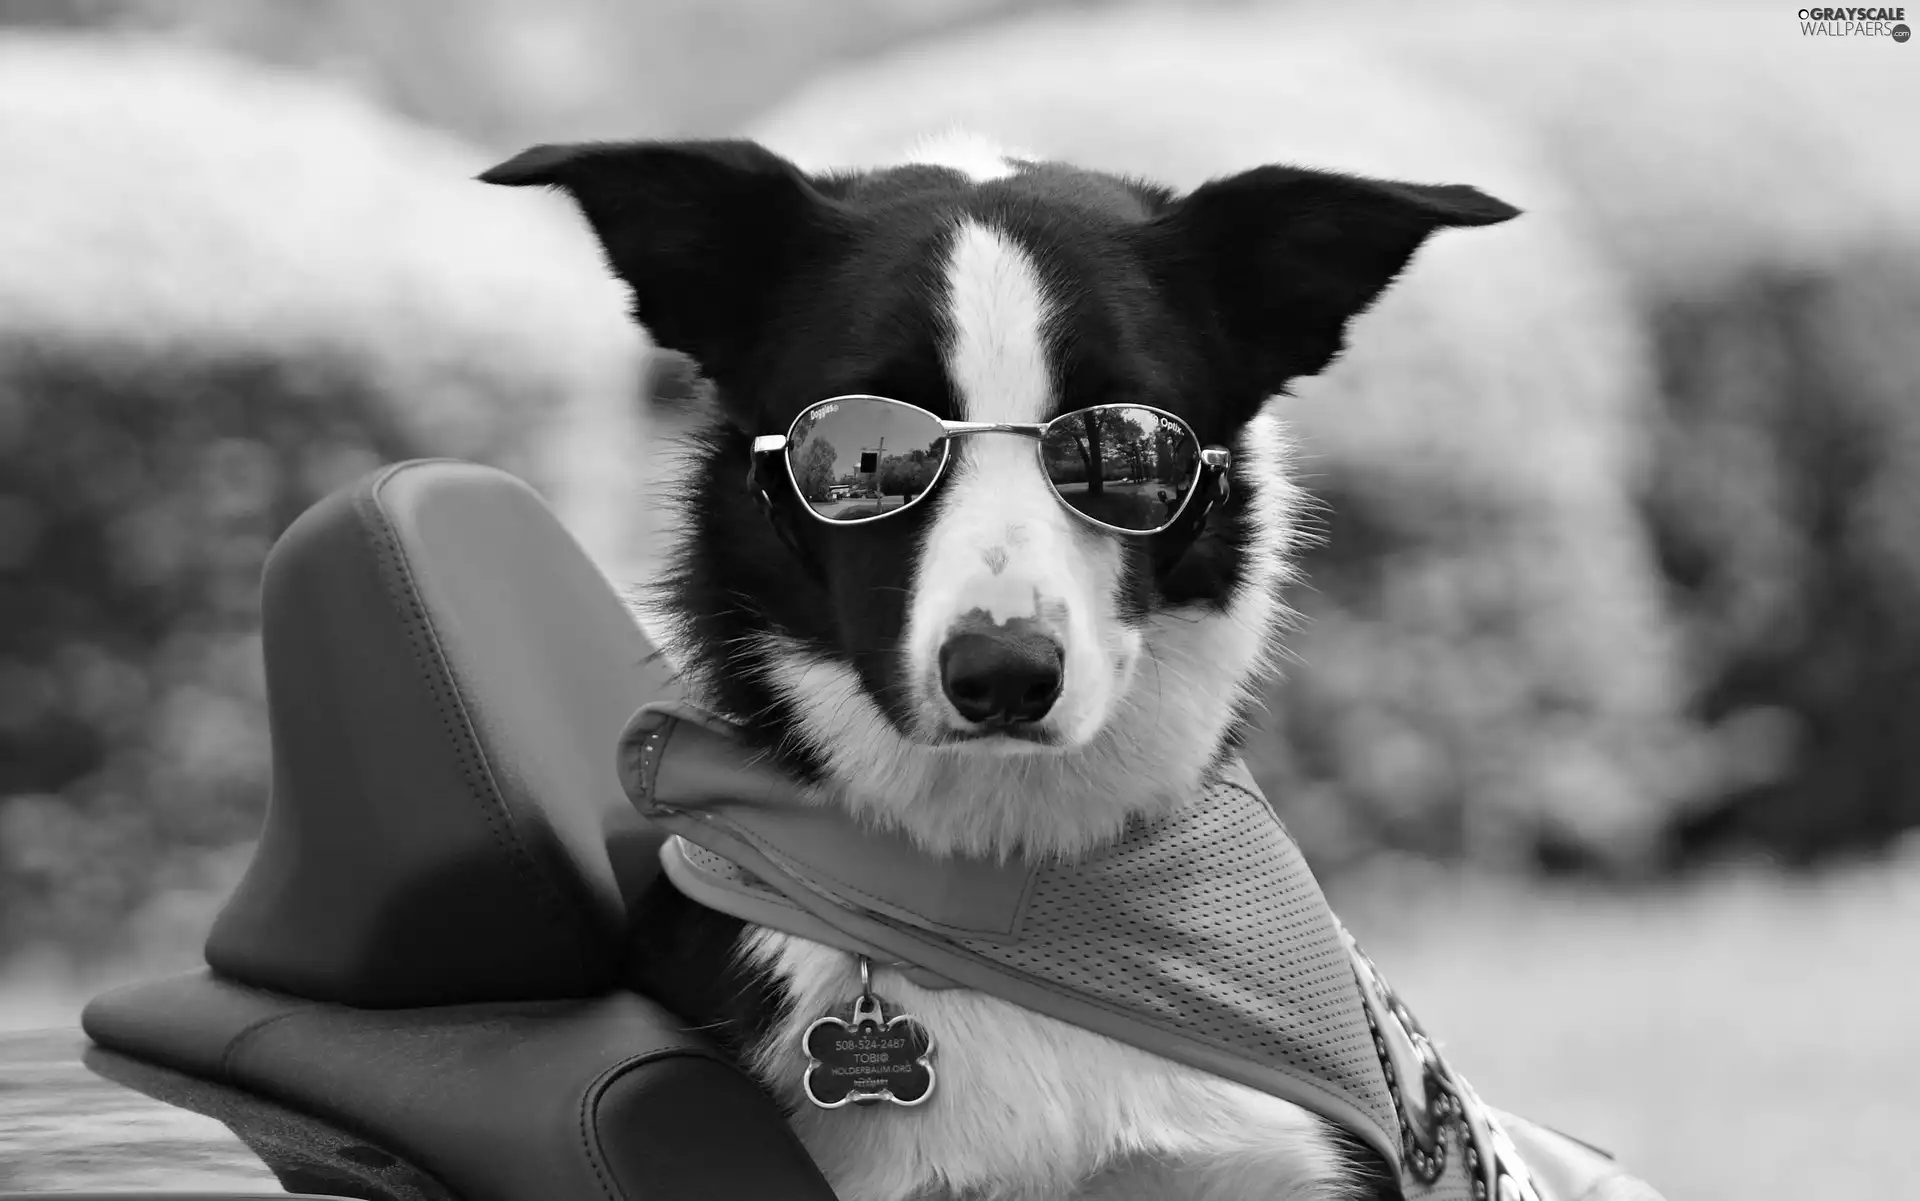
point(1128, 467)
point(861, 457)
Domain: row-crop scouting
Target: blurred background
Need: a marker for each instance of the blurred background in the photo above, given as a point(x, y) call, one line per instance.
point(1603, 727)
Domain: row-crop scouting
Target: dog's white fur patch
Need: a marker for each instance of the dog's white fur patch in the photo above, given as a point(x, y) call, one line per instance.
point(1001, 544)
point(1027, 1108)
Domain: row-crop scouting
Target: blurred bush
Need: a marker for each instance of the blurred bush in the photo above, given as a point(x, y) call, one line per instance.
point(226, 294)
point(1787, 507)
point(1742, 178)
point(142, 492)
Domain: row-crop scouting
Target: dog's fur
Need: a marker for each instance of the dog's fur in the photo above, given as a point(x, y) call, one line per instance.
point(986, 287)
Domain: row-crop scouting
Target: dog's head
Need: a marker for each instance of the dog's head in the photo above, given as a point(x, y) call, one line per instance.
point(986, 669)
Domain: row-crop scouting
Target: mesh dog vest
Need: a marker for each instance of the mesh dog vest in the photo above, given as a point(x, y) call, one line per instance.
point(1200, 936)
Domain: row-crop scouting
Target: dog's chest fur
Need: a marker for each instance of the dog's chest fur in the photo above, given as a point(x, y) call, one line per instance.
point(1025, 1107)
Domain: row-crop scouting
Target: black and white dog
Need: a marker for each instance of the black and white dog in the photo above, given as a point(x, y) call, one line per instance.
point(993, 667)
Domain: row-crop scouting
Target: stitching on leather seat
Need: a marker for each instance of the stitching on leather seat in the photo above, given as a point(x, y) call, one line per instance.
point(595, 1092)
point(431, 660)
point(246, 1034)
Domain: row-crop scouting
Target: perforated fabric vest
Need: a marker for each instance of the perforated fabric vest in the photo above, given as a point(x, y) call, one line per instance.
point(1200, 936)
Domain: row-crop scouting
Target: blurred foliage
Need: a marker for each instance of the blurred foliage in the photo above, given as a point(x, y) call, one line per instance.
point(1787, 510)
point(1435, 706)
point(227, 293)
point(1769, 237)
point(141, 495)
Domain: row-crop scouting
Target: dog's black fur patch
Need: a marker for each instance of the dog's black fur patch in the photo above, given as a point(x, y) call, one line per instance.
point(683, 955)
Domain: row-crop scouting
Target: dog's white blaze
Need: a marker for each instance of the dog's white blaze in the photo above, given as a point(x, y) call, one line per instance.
point(1028, 1107)
point(998, 311)
point(1000, 543)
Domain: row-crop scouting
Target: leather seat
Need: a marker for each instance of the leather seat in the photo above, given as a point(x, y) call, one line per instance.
point(426, 950)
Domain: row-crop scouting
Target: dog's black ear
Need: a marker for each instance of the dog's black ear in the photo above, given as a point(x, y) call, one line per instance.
point(703, 232)
point(1282, 258)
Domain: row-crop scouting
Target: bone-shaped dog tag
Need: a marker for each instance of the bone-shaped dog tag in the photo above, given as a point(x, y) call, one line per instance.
point(869, 1058)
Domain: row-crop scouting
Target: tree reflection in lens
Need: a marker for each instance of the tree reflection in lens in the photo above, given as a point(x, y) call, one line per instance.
point(1127, 467)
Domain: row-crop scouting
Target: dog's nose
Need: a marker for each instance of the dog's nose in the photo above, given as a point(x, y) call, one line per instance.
point(1002, 678)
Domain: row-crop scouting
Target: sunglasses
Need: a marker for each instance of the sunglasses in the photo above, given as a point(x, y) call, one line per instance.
point(1125, 468)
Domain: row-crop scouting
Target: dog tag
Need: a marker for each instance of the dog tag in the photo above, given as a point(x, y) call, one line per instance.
point(869, 1058)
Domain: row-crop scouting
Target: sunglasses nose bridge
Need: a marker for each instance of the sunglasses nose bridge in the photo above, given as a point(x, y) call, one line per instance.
point(964, 429)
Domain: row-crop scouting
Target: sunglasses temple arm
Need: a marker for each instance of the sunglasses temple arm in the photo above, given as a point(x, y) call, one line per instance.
point(779, 516)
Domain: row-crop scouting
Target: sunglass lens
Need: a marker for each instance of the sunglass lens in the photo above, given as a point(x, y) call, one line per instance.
point(859, 457)
point(1128, 467)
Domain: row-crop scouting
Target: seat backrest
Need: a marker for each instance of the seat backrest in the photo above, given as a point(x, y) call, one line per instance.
point(447, 675)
